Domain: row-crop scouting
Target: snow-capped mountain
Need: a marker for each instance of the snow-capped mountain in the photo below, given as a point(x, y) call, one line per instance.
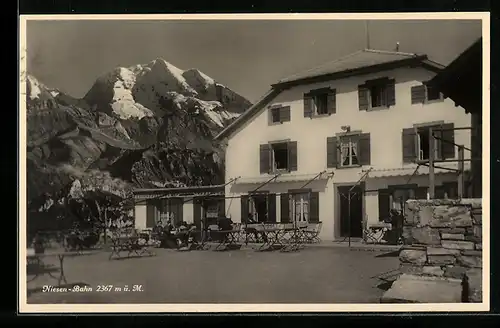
point(135, 92)
point(150, 125)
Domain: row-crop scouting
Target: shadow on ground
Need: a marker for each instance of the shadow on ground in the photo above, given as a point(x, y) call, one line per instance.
point(389, 254)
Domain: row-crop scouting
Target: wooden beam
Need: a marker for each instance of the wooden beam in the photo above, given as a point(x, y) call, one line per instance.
point(432, 181)
point(460, 172)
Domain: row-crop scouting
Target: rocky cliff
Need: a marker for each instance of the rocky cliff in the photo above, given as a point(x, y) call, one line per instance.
point(149, 125)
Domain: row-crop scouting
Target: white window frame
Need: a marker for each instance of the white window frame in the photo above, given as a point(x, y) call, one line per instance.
point(273, 161)
point(303, 201)
point(420, 152)
point(347, 142)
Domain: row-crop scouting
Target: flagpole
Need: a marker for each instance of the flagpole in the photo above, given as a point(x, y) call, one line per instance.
point(367, 31)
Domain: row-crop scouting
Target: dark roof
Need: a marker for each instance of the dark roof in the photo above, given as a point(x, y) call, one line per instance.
point(462, 79)
point(358, 63)
point(359, 59)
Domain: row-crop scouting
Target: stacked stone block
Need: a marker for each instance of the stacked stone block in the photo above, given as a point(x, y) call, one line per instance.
point(443, 238)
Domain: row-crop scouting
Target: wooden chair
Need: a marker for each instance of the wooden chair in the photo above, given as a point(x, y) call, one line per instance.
point(311, 232)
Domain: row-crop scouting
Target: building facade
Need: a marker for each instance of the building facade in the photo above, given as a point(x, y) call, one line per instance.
point(339, 144)
point(198, 205)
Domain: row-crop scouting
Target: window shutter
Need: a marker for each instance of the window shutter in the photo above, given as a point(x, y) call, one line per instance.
point(244, 208)
point(265, 158)
point(314, 207)
point(364, 151)
point(197, 212)
point(292, 155)
point(308, 105)
point(150, 214)
point(285, 114)
point(421, 193)
point(409, 147)
point(331, 152)
point(332, 101)
point(418, 94)
point(285, 208)
point(448, 149)
point(384, 205)
point(391, 93)
point(271, 208)
point(363, 98)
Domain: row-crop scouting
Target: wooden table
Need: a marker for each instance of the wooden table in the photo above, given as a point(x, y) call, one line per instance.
point(129, 244)
point(229, 239)
point(60, 254)
point(295, 241)
point(272, 240)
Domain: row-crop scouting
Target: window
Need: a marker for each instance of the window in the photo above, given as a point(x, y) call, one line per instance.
point(433, 94)
point(416, 142)
point(170, 209)
point(395, 197)
point(400, 196)
point(279, 114)
point(280, 156)
point(258, 207)
point(300, 207)
point(423, 150)
point(275, 115)
point(378, 96)
point(379, 93)
point(348, 151)
point(320, 102)
point(424, 93)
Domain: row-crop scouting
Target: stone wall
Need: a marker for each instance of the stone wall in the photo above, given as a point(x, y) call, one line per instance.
point(443, 238)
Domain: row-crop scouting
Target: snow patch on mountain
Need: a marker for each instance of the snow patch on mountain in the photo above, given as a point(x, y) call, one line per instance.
point(34, 87)
point(198, 79)
point(123, 103)
point(212, 109)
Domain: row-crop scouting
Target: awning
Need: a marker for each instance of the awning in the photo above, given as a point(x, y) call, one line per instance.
point(283, 178)
point(177, 195)
point(408, 170)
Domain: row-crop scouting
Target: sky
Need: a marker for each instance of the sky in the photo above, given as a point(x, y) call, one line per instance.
point(247, 56)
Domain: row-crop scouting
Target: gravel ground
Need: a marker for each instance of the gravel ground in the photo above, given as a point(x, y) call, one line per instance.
point(313, 275)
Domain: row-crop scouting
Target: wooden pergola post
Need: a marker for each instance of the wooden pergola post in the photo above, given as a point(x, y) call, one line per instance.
point(432, 182)
point(460, 172)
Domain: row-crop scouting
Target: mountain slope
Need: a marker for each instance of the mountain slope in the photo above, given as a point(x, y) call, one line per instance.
point(149, 125)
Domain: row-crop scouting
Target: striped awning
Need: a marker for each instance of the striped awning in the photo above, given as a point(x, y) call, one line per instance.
point(284, 178)
point(409, 170)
